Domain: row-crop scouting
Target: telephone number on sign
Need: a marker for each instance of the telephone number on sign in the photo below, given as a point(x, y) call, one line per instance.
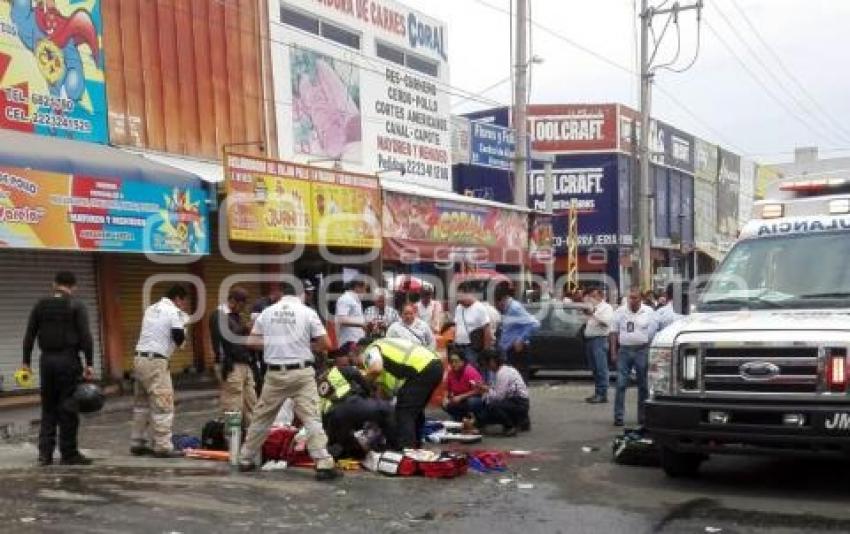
point(50, 120)
point(588, 240)
point(426, 169)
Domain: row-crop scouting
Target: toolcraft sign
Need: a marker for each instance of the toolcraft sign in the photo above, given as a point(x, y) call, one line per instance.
point(573, 128)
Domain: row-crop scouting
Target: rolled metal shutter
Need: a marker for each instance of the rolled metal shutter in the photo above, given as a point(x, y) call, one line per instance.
point(25, 277)
point(135, 269)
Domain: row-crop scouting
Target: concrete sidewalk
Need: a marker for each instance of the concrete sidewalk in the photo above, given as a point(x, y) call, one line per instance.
point(16, 423)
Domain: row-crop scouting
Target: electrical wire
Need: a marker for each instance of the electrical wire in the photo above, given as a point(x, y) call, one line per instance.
point(786, 71)
point(678, 47)
point(483, 91)
point(778, 83)
point(667, 94)
point(759, 81)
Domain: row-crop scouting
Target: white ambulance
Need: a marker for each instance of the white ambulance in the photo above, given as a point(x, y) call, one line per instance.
point(761, 366)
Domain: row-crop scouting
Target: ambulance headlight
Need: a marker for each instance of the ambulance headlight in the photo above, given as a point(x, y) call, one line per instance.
point(660, 366)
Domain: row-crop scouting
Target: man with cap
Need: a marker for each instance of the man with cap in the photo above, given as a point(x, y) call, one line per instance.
point(233, 358)
point(60, 324)
point(410, 373)
point(289, 332)
point(163, 331)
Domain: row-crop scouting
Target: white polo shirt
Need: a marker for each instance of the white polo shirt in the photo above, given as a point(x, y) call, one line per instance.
point(159, 320)
point(349, 306)
point(635, 328)
point(288, 327)
point(468, 320)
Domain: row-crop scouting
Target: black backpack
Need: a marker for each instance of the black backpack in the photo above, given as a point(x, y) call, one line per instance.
point(212, 436)
point(635, 447)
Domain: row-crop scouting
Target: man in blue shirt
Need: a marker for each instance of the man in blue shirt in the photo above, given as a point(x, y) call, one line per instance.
point(517, 327)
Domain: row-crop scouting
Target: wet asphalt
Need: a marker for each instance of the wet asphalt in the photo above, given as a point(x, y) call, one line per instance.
point(567, 484)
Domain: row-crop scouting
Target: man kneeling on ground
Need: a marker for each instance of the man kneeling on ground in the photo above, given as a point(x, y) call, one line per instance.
point(506, 400)
point(410, 373)
point(347, 406)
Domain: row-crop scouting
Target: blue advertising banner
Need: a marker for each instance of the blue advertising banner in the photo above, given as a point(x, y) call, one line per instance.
point(492, 146)
point(591, 182)
point(47, 210)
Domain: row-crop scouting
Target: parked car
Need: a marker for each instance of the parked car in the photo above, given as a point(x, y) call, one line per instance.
point(559, 343)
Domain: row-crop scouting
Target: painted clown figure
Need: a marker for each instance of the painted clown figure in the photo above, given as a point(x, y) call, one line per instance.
point(55, 40)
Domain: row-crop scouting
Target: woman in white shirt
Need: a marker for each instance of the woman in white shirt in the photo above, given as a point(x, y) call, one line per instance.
point(412, 328)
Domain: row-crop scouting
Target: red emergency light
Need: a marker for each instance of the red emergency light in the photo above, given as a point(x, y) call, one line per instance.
point(836, 370)
point(815, 185)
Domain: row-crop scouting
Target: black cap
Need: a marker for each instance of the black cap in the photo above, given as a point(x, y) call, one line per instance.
point(308, 285)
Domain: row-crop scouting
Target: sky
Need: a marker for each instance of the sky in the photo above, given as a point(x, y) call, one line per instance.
point(770, 75)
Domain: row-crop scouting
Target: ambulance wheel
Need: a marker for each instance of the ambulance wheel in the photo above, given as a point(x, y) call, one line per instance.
point(680, 464)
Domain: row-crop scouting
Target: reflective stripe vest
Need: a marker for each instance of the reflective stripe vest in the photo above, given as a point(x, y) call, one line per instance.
point(403, 359)
point(333, 386)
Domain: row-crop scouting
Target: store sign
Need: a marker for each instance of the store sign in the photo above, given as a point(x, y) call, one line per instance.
point(47, 210)
point(422, 33)
point(493, 146)
point(346, 210)
point(51, 69)
point(728, 187)
point(439, 230)
point(572, 128)
point(746, 194)
point(541, 238)
point(705, 194)
point(368, 112)
point(461, 140)
point(671, 146)
point(279, 202)
point(594, 192)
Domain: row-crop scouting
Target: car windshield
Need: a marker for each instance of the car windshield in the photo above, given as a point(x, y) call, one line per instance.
point(802, 271)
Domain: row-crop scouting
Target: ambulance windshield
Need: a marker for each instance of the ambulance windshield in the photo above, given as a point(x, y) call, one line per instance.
point(796, 271)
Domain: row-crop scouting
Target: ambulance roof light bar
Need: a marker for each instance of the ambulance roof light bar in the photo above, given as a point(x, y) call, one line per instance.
point(814, 185)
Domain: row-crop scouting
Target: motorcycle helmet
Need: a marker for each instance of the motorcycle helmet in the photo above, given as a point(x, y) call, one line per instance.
point(88, 398)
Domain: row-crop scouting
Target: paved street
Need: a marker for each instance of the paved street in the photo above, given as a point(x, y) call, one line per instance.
point(573, 490)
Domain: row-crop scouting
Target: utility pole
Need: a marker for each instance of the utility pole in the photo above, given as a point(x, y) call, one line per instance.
point(520, 123)
point(520, 98)
point(647, 73)
point(644, 229)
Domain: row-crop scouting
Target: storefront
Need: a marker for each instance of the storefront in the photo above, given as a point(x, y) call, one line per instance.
point(437, 233)
point(313, 223)
point(98, 212)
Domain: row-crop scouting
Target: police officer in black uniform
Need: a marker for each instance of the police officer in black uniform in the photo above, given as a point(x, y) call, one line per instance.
point(60, 323)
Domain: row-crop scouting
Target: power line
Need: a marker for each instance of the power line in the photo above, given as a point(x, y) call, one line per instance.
point(759, 81)
point(670, 96)
point(787, 72)
point(779, 83)
point(482, 92)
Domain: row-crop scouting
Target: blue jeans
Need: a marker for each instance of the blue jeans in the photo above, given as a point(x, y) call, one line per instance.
point(597, 360)
point(472, 405)
point(631, 358)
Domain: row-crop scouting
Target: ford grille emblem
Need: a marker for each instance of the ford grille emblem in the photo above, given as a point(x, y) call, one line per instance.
point(759, 370)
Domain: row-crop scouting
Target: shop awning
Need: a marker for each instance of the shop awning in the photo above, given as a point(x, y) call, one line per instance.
point(421, 224)
point(51, 154)
point(406, 188)
point(208, 171)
